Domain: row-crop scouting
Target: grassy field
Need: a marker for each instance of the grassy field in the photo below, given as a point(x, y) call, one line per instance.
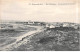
point(56, 40)
point(8, 36)
point(6, 40)
point(15, 32)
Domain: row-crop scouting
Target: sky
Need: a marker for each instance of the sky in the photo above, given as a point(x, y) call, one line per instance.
point(21, 10)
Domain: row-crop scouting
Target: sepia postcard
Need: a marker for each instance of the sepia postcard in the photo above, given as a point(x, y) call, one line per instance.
point(39, 25)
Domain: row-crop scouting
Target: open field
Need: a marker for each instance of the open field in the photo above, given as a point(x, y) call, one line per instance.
point(8, 36)
point(6, 40)
point(15, 32)
point(56, 40)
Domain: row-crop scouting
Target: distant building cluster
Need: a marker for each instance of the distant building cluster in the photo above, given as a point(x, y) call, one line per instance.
point(44, 24)
point(75, 26)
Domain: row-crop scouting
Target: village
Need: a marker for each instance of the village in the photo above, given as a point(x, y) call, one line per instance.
point(40, 34)
point(15, 25)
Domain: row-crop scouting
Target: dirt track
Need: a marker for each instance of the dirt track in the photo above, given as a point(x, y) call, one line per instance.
point(18, 39)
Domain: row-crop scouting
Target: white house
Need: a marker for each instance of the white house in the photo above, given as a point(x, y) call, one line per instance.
point(30, 22)
point(51, 26)
point(66, 25)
